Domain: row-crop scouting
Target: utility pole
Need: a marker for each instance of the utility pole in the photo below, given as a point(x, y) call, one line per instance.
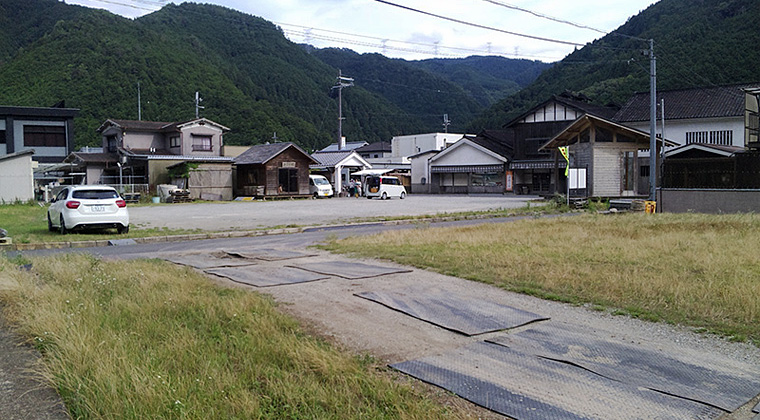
point(274, 137)
point(198, 106)
point(446, 123)
point(343, 82)
point(652, 123)
point(139, 105)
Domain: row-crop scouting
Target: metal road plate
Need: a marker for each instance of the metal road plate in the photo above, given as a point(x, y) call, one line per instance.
point(442, 308)
point(527, 387)
point(633, 365)
point(756, 409)
point(259, 276)
point(349, 269)
point(208, 260)
point(268, 254)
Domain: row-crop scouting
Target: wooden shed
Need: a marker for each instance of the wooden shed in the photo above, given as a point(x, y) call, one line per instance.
point(273, 170)
point(610, 153)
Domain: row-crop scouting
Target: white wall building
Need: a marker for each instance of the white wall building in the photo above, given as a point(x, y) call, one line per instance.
point(405, 146)
point(17, 177)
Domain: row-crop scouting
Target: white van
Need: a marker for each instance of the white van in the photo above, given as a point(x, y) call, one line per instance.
point(384, 187)
point(319, 186)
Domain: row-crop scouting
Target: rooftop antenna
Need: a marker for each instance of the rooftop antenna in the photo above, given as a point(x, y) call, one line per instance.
point(274, 137)
point(446, 123)
point(343, 82)
point(198, 106)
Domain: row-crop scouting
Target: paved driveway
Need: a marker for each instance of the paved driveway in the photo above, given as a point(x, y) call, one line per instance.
point(258, 214)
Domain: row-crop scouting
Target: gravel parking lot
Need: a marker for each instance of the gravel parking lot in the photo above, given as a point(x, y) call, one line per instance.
point(240, 215)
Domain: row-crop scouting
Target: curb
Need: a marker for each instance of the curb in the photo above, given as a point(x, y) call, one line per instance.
point(243, 234)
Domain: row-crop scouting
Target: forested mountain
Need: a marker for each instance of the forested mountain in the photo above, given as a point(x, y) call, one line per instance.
point(251, 78)
point(697, 43)
point(487, 79)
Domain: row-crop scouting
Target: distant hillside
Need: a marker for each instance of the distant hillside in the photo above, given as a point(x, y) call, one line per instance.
point(486, 79)
point(419, 93)
point(251, 78)
point(697, 43)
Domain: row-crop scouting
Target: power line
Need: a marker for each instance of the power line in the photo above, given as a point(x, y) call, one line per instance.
point(543, 16)
point(490, 28)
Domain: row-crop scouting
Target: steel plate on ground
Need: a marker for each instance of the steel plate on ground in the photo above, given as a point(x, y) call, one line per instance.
point(636, 366)
point(259, 276)
point(756, 409)
point(349, 270)
point(526, 387)
point(268, 254)
point(439, 307)
point(209, 260)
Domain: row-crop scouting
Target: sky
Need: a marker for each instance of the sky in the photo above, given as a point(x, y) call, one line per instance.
point(374, 26)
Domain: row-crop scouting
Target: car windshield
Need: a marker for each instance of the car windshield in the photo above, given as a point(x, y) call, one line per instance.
point(320, 181)
point(94, 194)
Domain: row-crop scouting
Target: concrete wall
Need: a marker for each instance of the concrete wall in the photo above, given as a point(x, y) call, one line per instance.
point(16, 179)
point(709, 201)
point(211, 181)
point(405, 146)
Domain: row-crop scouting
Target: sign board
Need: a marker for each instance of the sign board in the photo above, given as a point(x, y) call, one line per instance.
point(288, 164)
point(577, 178)
point(509, 182)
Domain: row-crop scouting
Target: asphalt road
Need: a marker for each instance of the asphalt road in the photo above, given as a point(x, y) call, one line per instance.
point(251, 215)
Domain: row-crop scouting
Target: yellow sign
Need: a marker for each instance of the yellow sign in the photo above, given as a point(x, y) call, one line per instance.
point(565, 154)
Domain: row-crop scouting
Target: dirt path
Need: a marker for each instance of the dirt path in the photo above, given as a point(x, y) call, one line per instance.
point(331, 308)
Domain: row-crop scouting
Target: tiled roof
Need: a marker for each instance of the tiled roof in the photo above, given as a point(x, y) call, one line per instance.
point(330, 158)
point(262, 153)
point(500, 142)
point(351, 145)
point(96, 157)
point(141, 125)
point(380, 146)
point(712, 102)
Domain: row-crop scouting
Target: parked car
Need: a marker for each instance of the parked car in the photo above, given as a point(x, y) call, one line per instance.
point(319, 186)
point(87, 207)
point(384, 187)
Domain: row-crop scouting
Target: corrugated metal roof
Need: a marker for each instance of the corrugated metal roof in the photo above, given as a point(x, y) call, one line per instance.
point(351, 145)
point(711, 102)
point(94, 157)
point(380, 146)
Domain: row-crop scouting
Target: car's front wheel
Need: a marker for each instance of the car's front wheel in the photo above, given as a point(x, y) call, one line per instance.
point(62, 227)
point(51, 228)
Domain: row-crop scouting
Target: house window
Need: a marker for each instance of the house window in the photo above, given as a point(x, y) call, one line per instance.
point(174, 142)
point(2, 136)
point(644, 171)
point(112, 143)
point(202, 143)
point(44, 136)
point(629, 182)
point(753, 126)
point(719, 137)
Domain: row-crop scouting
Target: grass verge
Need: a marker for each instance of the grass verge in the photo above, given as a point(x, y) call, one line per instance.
point(696, 270)
point(149, 340)
point(27, 223)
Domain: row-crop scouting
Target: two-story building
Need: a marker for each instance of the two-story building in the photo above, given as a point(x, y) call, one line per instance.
point(47, 131)
point(140, 152)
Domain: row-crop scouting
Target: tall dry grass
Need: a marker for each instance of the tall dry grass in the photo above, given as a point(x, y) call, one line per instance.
point(148, 340)
point(697, 270)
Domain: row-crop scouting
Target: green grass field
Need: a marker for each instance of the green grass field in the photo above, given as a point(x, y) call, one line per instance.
point(149, 340)
point(27, 223)
point(697, 270)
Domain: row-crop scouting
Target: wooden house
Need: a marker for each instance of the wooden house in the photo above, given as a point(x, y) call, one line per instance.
point(273, 170)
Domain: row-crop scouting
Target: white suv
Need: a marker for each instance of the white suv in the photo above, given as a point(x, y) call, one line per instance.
point(87, 206)
point(384, 187)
